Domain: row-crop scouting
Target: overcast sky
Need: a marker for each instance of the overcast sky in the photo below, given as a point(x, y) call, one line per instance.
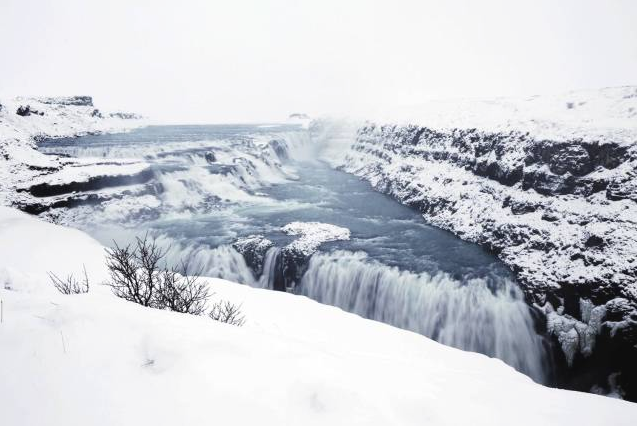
point(237, 61)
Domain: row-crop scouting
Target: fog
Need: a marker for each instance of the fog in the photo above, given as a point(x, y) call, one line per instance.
point(256, 61)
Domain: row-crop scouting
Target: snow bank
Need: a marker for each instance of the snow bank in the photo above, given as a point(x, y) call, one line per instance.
point(95, 359)
point(592, 114)
point(312, 235)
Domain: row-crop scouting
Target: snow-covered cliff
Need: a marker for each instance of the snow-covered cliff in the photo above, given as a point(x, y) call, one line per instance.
point(548, 183)
point(24, 121)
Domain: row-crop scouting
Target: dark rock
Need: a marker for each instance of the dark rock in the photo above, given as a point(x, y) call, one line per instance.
point(92, 184)
point(523, 207)
point(617, 309)
point(550, 216)
point(210, 157)
point(24, 111)
point(253, 249)
point(96, 113)
point(594, 241)
point(572, 159)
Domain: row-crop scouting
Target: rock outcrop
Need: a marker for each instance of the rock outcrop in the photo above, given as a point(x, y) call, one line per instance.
point(36, 182)
point(68, 100)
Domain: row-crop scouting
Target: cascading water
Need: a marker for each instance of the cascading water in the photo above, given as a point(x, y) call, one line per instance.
point(218, 183)
point(219, 262)
point(470, 315)
point(271, 269)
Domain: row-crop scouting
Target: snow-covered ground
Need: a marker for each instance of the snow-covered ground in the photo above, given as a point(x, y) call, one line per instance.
point(96, 359)
point(592, 114)
point(21, 164)
point(313, 234)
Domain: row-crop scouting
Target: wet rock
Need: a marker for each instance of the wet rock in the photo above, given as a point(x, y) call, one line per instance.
point(618, 308)
point(91, 184)
point(253, 248)
point(210, 157)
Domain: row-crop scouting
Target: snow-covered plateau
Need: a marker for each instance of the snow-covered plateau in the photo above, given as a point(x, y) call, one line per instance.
point(27, 174)
point(549, 183)
point(96, 359)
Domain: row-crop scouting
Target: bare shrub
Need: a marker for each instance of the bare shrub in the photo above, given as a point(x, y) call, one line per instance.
point(135, 271)
point(228, 312)
point(70, 285)
point(139, 274)
point(182, 292)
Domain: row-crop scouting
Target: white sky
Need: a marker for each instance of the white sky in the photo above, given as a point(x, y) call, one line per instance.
point(236, 61)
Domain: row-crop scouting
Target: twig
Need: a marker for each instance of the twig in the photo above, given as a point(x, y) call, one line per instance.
point(63, 343)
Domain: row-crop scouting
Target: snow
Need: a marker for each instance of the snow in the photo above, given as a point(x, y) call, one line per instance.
point(313, 234)
point(593, 114)
point(80, 173)
point(21, 164)
point(96, 359)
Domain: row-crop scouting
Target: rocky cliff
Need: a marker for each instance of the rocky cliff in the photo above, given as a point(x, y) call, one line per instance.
point(27, 175)
point(556, 200)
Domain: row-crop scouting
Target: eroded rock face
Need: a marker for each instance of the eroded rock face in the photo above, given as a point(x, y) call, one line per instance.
point(253, 248)
point(68, 100)
point(291, 261)
point(561, 214)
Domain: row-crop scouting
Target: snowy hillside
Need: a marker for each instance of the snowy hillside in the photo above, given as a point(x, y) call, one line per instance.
point(609, 113)
point(96, 359)
point(25, 120)
point(549, 183)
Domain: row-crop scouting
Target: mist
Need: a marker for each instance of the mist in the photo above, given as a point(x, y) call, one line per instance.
point(258, 61)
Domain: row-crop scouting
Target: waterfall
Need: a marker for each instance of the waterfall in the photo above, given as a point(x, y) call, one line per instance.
point(220, 262)
point(271, 269)
point(470, 314)
point(486, 315)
